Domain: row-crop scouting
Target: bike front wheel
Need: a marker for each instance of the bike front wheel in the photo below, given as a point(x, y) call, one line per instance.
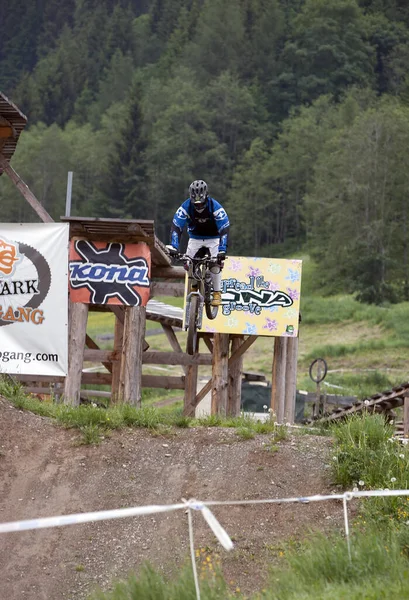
point(191, 344)
point(211, 311)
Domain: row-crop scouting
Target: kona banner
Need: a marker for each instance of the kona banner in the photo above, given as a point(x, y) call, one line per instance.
point(33, 298)
point(260, 296)
point(109, 273)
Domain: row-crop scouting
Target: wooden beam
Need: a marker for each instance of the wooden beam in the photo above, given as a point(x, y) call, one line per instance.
point(116, 367)
point(220, 374)
point(290, 380)
point(177, 290)
point(168, 272)
point(175, 358)
point(173, 340)
point(31, 379)
point(130, 388)
point(108, 356)
point(6, 131)
point(78, 315)
point(207, 340)
point(191, 387)
point(278, 378)
point(94, 346)
point(164, 382)
point(149, 358)
point(25, 191)
point(235, 376)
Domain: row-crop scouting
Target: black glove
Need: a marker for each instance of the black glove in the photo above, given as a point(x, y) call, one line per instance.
point(172, 251)
point(221, 257)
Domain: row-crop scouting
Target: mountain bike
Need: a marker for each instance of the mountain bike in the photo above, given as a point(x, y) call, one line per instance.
point(199, 293)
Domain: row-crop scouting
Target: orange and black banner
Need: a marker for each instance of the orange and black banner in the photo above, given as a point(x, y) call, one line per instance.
point(109, 273)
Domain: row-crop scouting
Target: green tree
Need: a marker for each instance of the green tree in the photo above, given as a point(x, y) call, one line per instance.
point(219, 41)
point(357, 208)
point(327, 53)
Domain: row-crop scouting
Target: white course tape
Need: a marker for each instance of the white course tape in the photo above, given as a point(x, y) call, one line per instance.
point(87, 517)
point(190, 505)
point(137, 511)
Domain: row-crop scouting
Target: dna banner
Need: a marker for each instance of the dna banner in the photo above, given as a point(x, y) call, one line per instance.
point(260, 296)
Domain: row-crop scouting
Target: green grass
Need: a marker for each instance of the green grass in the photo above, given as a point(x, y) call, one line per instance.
point(366, 456)
point(317, 569)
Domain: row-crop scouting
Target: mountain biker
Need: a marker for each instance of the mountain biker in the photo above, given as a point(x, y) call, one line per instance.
point(207, 225)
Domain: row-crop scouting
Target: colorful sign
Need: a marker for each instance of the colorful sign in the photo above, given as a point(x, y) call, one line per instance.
point(33, 298)
point(260, 296)
point(109, 273)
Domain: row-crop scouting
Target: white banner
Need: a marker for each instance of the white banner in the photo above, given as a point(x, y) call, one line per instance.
point(34, 298)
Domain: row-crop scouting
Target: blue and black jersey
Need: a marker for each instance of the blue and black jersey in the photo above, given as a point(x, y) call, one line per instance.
point(210, 223)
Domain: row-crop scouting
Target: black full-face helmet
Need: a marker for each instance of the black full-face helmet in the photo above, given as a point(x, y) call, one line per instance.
point(198, 193)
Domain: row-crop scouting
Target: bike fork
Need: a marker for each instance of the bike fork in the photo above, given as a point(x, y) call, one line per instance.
point(187, 313)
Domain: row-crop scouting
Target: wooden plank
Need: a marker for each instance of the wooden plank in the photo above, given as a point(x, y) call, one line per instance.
point(78, 315)
point(278, 378)
point(130, 387)
point(94, 346)
point(92, 378)
point(220, 374)
point(89, 378)
point(25, 191)
point(168, 272)
point(177, 290)
point(32, 379)
point(164, 382)
point(175, 358)
point(290, 380)
point(108, 356)
point(235, 376)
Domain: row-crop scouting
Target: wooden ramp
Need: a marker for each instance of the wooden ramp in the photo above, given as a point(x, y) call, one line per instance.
point(382, 402)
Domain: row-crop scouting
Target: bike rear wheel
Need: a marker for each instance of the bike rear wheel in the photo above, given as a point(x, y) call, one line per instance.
point(191, 343)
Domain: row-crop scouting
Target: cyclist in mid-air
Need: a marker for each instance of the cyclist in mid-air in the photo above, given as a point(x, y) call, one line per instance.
point(207, 225)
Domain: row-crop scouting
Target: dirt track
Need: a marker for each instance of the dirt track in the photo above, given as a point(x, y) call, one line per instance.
point(44, 473)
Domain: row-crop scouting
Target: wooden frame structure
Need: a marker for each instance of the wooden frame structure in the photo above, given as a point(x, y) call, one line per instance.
point(124, 363)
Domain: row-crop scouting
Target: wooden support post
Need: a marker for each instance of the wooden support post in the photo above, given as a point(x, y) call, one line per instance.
point(406, 416)
point(235, 356)
point(220, 374)
point(192, 373)
point(290, 379)
point(278, 379)
point(76, 344)
point(25, 191)
point(116, 366)
point(235, 370)
point(130, 388)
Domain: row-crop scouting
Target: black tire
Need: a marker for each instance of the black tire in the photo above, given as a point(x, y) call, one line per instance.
point(211, 311)
point(191, 343)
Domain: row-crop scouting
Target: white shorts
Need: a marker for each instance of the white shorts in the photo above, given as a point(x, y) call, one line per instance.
point(194, 245)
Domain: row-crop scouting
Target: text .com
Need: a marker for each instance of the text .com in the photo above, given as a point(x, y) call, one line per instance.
point(27, 357)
